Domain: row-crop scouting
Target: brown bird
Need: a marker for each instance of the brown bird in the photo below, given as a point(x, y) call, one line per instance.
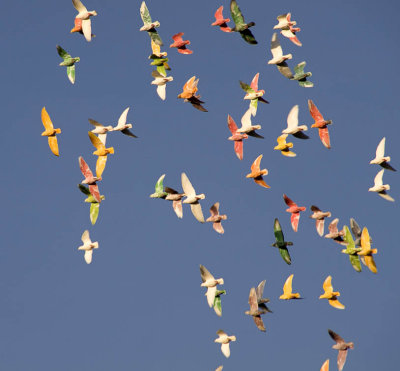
point(254, 311)
point(342, 347)
point(216, 218)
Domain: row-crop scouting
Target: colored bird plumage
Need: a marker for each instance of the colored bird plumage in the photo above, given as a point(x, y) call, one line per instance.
point(85, 24)
point(216, 218)
point(90, 180)
point(334, 233)
point(180, 44)
point(342, 347)
point(277, 53)
point(159, 188)
point(189, 94)
point(301, 76)
point(69, 62)
point(286, 26)
point(319, 217)
point(94, 205)
point(287, 290)
point(176, 198)
point(351, 249)
point(101, 152)
point(294, 211)
point(330, 294)
point(255, 311)
point(253, 94)
point(280, 242)
point(366, 252)
point(236, 137)
point(50, 132)
point(257, 174)
point(320, 123)
point(284, 147)
point(240, 25)
point(220, 21)
point(149, 25)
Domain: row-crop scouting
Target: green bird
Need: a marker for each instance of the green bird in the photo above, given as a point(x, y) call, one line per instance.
point(149, 25)
point(161, 64)
point(240, 25)
point(280, 242)
point(351, 249)
point(217, 302)
point(301, 76)
point(94, 205)
point(69, 62)
point(159, 189)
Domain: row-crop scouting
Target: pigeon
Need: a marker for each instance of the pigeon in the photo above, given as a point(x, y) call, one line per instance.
point(380, 158)
point(100, 129)
point(351, 249)
point(180, 44)
point(159, 59)
point(211, 283)
point(294, 210)
point(287, 29)
point(253, 94)
point(217, 302)
point(94, 205)
point(159, 189)
point(236, 137)
point(301, 76)
point(69, 62)
point(247, 126)
point(319, 217)
point(342, 347)
point(254, 311)
point(220, 21)
point(334, 233)
point(122, 126)
point(84, 15)
point(240, 25)
point(366, 252)
point(224, 340)
point(90, 180)
point(176, 199)
point(280, 242)
point(161, 82)
point(257, 174)
point(283, 146)
point(330, 294)
point(260, 300)
point(192, 198)
point(101, 152)
point(287, 290)
point(88, 246)
point(189, 94)
point(216, 218)
point(50, 132)
point(379, 187)
point(277, 53)
point(149, 25)
point(320, 123)
point(293, 124)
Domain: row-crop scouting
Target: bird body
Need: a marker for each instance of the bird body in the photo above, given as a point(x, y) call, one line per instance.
point(381, 188)
point(380, 158)
point(351, 249)
point(247, 127)
point(224, 339)
point(320, 123)
point(280, 242)
point(284, 147)
point(257, 174)
point(211, 283)
point(216, 218)
point(88, 246)
point(149, 25)
point(192, 198)
point(240, 25)
point(220, 21)
point(90, 180)
point(330, 294)
point(334, 233)
point(366, 252)
point(180, 44)
point(50, 132)
point(69, 62)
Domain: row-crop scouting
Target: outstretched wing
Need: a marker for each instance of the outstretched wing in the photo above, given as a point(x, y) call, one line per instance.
point(314, 112)
point(62, 53)
point(246, 87)
point(236, 14)
point(145, 14)
point(278, 232)
point(248, 36)
point(48, 125)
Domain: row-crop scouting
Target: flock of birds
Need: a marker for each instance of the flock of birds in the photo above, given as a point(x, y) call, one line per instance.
point(358, 248)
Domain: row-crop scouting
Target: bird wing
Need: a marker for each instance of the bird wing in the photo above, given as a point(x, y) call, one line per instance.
point(94, 212)
point(327, 285)
point(122, 118)
point(285, 70)
point(355, 228)
point(281, 139)
point(236, 14)
point(294, 220)
point(85, 169)
point(380, 150)
point(84, 189)
point(337, 338)
point(325, 366)
point(365, 240)
point(178, 37)
point(246, 87)
point(187, 186)
point(285, 255)
point(314, 112)
point(225, 350)
point(87, 29)
point(214, 209)
point(197, 212)
point(85, 237)
point(333, 226)
point(324, 136)
point(218, 227)
point(278, 232)
point(155, 37)
point(95, 123)
point(177, 206)
point(145, 14)
point(79, 6)
point(246, 119)
point(53, 144)
point(94, 191)
point(348, 238)
point(100, 165)
point(288, 201)
point(355, 262)
point(341, 359)
point(336, 303)
point(71, 73)
point(205, 274)
point(299, 69)
point(162, 91)
point(253, 300)
point(217, 305)
point(254, 82)
point(62, 53)
point(260, 181)
point(155, 48)
point(276, 48)
point(370, 263)
point(211, 295)
point(287, 287)
point(96, 141)
point(48, 125)
point(232, 125)
point(259, 323)
point(378, 178)
point(319, 225)
point(238, 147)
point(260, 290)
point(190, 86)
point(256, 164)
point(88, 256)
point(159, 185)
point(293, 117)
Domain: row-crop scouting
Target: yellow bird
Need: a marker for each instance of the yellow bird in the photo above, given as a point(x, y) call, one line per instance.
point(284, 147)
point(101, 152)
point(366, 251)
point(325, 366)
point(287, 290)
point(330, 294)
point(50, 132)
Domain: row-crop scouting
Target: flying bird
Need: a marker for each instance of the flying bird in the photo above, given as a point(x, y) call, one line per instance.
point(192, 198)
point(220, 21)
point(159, 59)
point(247, 126)
point(236, 137)
point(330, 294)
point(280, 242)
point(217, 302)
point(284, 147)
point(277, 53)
point(84, 15)
point(253, 94)
point(301, 76)
point(159, 188)
point(50, 132)
point(94, 205)
point(189, 94)
point(342, 347)
point(180, 44)
point(366, 253)
point(319, 217)
point(320, 123)
point(351, 249)
point(254, 311)
point(88, 246)
point(240, 25)
point(287, 290)
point(100, 129)
point(293, 124)
point(334, 233)
point(224, 340)
point(211, 283)
point(294, 210)
point(101, 152)
point(90, 180)
point(216, 218)
point(122, 126)
point(69, 62)
point(257, 174)
point(161, 82)
point(380, 158)
point(260, 299)
point(149, 25)
point(176, 199)
point(286, 26)
point(379, 187)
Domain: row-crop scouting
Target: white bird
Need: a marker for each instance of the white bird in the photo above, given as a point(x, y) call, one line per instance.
point(100, 128)
point(247, 126)
point(381, 188)
point(85, 15)
point(122, 126)
point(211, 283)
point(276, 50)
point(161, 82)
point(88, 246)
point(293, 124)
point(224, 340)
point(380, 158)
point(192, 198)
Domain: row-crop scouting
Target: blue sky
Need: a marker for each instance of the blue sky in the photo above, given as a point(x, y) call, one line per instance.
point(139, 305)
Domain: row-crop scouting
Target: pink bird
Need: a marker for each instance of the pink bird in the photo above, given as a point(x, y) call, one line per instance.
point(216, 218)
point(294, 209)
point(319, 217)
point(320, 123)
point(90, 180)
point(236, 137)
point(221, 21)
point(180, 44)
point(286, 26)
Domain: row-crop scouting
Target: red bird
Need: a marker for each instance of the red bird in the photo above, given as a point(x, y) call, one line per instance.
point(90, 180)
point(320, 123)
point(294, 209)
point(221, 21)
point(180, 44)
point(236, 137)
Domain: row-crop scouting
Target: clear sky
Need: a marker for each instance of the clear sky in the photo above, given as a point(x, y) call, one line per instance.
point(139, 305)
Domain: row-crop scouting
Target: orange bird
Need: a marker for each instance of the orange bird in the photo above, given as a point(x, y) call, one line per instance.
point(294, 209)
point(320, 123)
point(221, 21)
point(50, 132)
point(180, 44)
point(189, 94)
point(257, 174)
